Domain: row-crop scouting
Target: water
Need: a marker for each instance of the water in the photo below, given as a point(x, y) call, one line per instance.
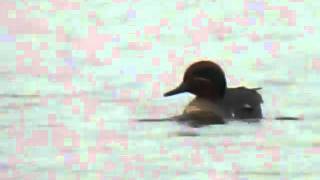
point(77, 75)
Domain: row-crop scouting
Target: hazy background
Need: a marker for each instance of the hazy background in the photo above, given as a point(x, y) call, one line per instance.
point(76, 74)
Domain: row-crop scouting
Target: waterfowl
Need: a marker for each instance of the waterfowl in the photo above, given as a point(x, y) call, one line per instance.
point(214, 102)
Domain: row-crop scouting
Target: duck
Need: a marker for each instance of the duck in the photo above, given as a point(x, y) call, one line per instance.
point(215, 103)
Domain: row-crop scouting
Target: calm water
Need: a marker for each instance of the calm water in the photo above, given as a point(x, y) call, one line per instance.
point(77, 75)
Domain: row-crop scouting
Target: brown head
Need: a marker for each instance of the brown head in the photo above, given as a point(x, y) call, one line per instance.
point(205, 79)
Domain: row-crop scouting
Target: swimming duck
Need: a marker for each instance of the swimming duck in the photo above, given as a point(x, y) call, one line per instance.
point(214, 102)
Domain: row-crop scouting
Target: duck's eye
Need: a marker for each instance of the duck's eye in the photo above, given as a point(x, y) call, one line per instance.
point(202, 79)
point(200, 83)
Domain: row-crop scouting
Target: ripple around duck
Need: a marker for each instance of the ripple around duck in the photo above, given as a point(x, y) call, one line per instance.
point(279, 173)
point(29, 96)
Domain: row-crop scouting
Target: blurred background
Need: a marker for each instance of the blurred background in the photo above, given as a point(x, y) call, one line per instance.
point(76, 75)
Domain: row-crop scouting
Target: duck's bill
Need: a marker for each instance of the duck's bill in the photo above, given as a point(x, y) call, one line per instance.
point(180, 89)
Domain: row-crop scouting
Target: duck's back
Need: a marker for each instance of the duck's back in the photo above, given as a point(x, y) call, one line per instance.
point(242, 103)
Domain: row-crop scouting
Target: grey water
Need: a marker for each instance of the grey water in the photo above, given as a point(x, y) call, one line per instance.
point(76, 75)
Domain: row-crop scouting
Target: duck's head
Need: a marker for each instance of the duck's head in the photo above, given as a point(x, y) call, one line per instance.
point(205, 79)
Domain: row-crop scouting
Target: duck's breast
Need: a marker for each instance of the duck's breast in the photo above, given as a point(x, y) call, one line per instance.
point(203, 112)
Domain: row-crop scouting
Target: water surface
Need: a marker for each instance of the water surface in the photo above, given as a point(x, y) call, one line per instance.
point(76, 75)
